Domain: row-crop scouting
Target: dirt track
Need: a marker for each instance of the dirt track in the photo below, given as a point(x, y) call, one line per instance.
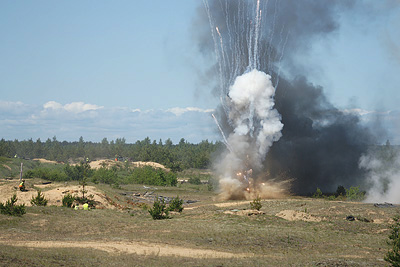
point(140, 248)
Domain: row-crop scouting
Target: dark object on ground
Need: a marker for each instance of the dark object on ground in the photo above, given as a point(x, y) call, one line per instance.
point(46, 182)
point(384, 205)
point(350, 218)
point(363, 219)
point(191, 201)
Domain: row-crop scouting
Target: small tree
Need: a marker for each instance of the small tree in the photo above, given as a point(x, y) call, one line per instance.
point(318, 193)
point(340, 191)
point(256, 203)
point(159, 210)
point(176, 204)
point(354, 194)
point(68, 200)
point(393, 255)
point(39, 200)
point(11, 209)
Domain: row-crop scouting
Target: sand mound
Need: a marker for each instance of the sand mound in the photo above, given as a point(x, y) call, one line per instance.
point(54, 192)
point(46, 161)
point(109, 163)
point(292, 215)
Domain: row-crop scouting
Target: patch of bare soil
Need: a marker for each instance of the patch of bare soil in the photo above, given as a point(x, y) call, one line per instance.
point(232, 203)
point(140, 248)
point(109, 163)
point(46, 161)
point(54, 193)
point(244, 212)
point(292, 215)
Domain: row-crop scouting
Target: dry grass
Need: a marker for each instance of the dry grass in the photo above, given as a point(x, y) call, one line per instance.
point(203, 235)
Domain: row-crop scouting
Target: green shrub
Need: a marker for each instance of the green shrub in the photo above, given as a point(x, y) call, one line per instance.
point(150, 176)
point(318, 193)
point(68, 200)
point(159, 210)
point(354, 194)
point(256, 203)
point(89, 200)
point(176, 204)
point(50, 174)
point(105, 175)
point(39, 200)
point(10, 208)
point(393, 255)
point(340, 191)
point(194, 180)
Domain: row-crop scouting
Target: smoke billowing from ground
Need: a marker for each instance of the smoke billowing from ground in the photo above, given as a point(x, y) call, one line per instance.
point(319, 145)
point(383, 175)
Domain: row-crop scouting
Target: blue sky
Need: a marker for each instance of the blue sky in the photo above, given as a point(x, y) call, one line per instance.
point(130, 69)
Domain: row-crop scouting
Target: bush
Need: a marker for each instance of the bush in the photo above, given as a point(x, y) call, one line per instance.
point(340, 191)
point(105, 175)
point(318, 193)
point(11, 209)
point(256, 203)
point(354, 194)
point(50, 174)
point(150, 176)
point(159, 210)
point(39, 200)
point(89, 200)
point(68, 200)
point(176, 205)
point(194, 180)
point(393, 255)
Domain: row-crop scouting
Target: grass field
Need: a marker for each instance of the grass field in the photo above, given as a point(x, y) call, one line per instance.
point(315, 232)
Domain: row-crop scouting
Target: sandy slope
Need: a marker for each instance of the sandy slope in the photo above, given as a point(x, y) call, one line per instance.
point(54, 192)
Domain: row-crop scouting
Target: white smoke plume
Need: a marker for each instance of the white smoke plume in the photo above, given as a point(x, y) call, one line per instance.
point(383, 175)
point(252, 111)
point(256, 125)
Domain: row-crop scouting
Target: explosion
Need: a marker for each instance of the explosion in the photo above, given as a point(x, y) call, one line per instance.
point(256, 124)
point(280, 130)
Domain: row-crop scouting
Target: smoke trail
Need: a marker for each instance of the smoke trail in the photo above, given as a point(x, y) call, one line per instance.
point(320, 145)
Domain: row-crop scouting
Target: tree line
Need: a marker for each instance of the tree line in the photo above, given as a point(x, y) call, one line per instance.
point(177, 157)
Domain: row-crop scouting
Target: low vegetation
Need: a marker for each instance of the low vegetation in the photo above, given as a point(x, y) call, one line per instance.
point(393, 255)
point(176, 204)
point(256, 203)
point(352, 194)
point(11, 208)
point(159, 210)
point(39, 200)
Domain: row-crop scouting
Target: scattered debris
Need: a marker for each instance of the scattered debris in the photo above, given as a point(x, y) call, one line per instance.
point(384, 205)
point(244, 212)
point(147, 197)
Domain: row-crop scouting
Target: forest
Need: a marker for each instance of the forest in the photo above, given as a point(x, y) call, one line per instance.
point(177, 157)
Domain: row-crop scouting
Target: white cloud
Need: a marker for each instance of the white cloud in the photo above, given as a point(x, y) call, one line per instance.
point(72, 120)
point(74, 107)
point(179, 111)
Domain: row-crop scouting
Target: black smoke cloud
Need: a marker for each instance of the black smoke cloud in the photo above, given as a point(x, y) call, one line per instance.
point(321, 145)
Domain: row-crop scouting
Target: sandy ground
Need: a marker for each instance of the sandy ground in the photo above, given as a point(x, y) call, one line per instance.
point(95, 164)
point(107, 162)
point(292, 215)
point(53, 192)
point(139, 248)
